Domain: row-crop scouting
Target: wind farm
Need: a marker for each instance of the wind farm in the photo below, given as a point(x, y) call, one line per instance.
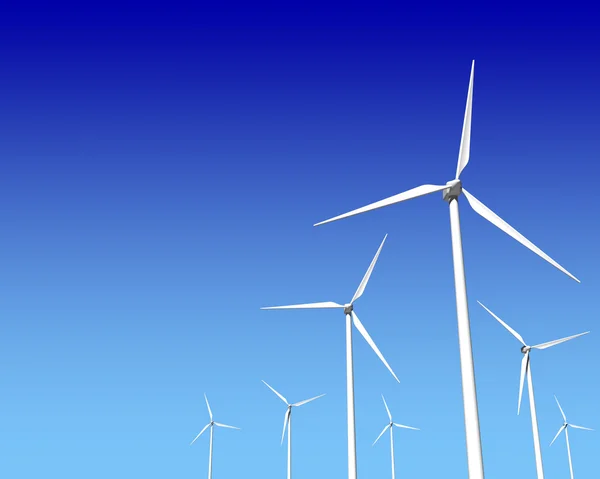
point(192, 203)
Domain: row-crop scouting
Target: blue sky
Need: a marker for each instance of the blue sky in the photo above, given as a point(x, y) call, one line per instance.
point(162, 170)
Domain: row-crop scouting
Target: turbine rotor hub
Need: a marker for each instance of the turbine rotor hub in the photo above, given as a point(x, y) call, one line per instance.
point(348, 308)
point(453, 191)
point(525, 349)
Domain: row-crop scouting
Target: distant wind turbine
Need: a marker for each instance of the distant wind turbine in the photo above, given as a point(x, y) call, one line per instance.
point(390, 427)
point(351, 318)
point(451, 191)
point(526, 369)
point(211, 424)
point(564, 427)
point(287, 421)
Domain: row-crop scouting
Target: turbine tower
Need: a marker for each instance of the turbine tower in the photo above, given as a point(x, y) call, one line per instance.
point(564, 427)
point(451, 191)
point(390, 427)
point(211, 424)
point(526, 369)
point(351, 318)
point(287, 421)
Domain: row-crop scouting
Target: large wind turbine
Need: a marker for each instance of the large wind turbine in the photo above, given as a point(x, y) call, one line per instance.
point(351, 318)
point(526, 369)
point(451, 191)
point(211, 424)
point(287, 421)
point(390, 427)
point(564, 427)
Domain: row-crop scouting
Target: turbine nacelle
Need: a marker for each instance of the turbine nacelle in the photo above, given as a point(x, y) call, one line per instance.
point(453, 191)
point(348, 308)
point(525, 349)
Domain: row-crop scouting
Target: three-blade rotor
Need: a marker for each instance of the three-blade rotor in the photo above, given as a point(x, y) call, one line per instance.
point(288, 412)
point(526, 349)
point(566, 424)
point(211, 423)
point(456, 187)
point(349, 309)
point(391, 423)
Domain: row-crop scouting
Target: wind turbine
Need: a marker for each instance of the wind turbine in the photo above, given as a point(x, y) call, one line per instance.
point(451, 191)
point(564, 427)
point(526, 369)
point(287, 421)
point(211, 424)
point(351, 318)
point(390, 427)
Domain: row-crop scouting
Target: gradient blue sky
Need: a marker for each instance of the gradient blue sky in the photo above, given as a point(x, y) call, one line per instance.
point(162, 167)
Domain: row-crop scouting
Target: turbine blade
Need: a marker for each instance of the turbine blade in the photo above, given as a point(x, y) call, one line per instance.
point(524, 368)
point(580, 427)
point(280, 396)
point(465, 140)
point(406, 427)
point(365, 280)
point(557, 341)
point(561, 410)
point(201, 432)
point(407, 195)
point(225, 425)
point(386, 408)
point(493, 218)
point(562, 428)
point(326, 304)
point(510, 330)
point(285, 422)
point(365, 335)
point(307, 400)
point(208, 406)
point(378, 437)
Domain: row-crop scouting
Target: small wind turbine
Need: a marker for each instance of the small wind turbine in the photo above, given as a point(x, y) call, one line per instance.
point(564, 427)
point(287, 421)
point(526, 369)
point(390, 427)
point(211, 424)
point(351, 318)
point(451, 191)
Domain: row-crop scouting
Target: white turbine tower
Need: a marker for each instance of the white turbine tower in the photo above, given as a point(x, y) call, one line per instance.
point(211, 424)
point(564, 427)
point(451, 191)
point(526, 369)
point(351, 318)
point(390, 427)
point(287, 421)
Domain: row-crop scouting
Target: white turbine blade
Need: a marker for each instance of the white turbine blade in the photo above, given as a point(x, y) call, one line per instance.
point(580, 427)
point(407, 195)
point(208, 406)
point(407, 427)
point(326, 304)
point(225, 425)
point(201, 432)
point(307, 400)
point(286, 418)
point(562, 428)
point(365, 335)
point(524, 368)
point(365, 280)
point(510, 330)
point(378, 437)
point(561, 410)
point(280, 396)
point(557, 341)
point(493, 218)
point(465, 140)
point(386, 408)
